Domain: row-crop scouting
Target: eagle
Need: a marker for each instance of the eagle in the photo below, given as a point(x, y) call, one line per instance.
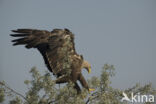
point(58, 50)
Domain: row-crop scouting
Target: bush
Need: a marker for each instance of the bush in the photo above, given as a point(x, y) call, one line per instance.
point(43, 90)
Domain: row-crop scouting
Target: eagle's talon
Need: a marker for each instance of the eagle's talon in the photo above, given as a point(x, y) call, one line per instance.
point(91, 89)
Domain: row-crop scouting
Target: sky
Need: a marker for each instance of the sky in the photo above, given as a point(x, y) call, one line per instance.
point(117, 32)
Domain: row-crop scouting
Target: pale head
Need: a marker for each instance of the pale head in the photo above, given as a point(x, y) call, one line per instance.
point(86, 65)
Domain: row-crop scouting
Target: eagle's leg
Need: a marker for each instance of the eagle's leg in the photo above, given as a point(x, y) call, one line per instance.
point(83, 81)
point(64, 79)
point(76, 86)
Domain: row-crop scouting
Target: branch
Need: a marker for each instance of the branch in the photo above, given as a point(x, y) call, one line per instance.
point(1, 83)
point(51, 102)
point(89, 98)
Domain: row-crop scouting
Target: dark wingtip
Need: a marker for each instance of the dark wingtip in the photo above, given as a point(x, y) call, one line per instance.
point(28, 47)
point(14, 30)
point(14, 44)
point(12, 35)
point(67, 30)
point(18, 35)
point(13, 41)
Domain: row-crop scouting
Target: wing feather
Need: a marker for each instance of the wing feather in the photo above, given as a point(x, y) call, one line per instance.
point(56, 47)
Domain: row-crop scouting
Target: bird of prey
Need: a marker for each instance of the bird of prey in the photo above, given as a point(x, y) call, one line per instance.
point(58, 50)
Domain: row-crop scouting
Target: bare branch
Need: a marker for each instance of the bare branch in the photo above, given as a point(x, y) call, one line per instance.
point(3, 84)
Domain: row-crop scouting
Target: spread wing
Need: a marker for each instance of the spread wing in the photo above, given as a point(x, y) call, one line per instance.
point(56, 47)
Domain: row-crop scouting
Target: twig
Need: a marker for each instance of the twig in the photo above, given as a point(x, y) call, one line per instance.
point(1, 83)
point(51, 102)
point(93, 94)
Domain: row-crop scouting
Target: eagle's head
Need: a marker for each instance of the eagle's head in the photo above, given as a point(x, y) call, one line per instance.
point(86, 65)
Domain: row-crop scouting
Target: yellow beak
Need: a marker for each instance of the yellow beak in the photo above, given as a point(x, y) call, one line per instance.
point(89, 70)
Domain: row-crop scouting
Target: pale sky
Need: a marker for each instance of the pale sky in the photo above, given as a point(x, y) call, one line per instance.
point(118, 32)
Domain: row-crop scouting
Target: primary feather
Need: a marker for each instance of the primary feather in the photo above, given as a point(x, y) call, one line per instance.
point(56, 46)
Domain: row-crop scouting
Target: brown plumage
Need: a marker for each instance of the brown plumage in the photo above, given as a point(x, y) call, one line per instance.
point(58, 50)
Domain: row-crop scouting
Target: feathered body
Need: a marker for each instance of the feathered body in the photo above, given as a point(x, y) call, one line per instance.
point(58, 51)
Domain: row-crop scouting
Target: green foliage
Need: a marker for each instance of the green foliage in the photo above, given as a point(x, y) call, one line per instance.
point(17, 100)
point(2, 95)
point(43, 90)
